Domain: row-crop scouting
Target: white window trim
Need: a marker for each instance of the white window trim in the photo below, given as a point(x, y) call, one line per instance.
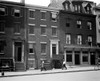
point(34, 11)
point(54, 26)
point(43, 25)
point(31, 25)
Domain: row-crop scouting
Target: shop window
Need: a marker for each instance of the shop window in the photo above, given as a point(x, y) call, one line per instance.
point(69, 57)
point(85, 56)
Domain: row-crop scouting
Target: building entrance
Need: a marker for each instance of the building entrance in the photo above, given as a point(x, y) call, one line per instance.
point(92, 58)
point(77, 59)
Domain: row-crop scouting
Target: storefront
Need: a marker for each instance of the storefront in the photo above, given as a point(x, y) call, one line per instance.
point(78, 55)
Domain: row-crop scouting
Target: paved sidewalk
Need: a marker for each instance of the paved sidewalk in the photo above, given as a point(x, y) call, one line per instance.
point(38, 72)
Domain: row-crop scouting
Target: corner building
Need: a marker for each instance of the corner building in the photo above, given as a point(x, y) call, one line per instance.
point(78, 32)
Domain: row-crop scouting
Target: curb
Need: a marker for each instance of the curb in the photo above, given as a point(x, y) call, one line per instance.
point(31, 74)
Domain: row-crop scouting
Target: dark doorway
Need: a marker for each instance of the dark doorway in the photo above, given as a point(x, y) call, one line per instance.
point(77, 59)
point(92, 58)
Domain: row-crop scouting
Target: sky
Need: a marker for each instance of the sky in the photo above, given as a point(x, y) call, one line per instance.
point(44, 2)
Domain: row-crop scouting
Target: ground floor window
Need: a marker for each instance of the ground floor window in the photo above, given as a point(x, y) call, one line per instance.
point(69, 56)
point(85, 56)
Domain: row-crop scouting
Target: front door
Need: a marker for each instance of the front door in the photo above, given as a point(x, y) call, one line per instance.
point(77, 59)
point(92, 58)
point(18, 52)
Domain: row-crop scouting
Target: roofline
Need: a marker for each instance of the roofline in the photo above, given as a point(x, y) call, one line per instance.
point(41, 7)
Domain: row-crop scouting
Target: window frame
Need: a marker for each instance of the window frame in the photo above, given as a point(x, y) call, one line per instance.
point(79, 39)
point(43, 51)
point(18, 24)
point(5, 12)
point(43, 15)
point(30, 14)
point(13, 12)
point(68, 38)
point(29, 29)
point(3, 27)
point(54, 27)
point(79, 24)
point(89, 25)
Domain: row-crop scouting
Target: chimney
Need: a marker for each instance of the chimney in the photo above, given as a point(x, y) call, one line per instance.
point(22, 1)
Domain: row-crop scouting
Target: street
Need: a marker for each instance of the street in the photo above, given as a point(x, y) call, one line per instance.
point(72, 76)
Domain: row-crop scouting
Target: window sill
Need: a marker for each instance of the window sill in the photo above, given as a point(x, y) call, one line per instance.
point(43, 53)
point(43, 35)
point(31, 34)
point(32, 18)
point(43, 19)
point(1, 53)
point(2, 32)
point(31, 53)
point(54, 36)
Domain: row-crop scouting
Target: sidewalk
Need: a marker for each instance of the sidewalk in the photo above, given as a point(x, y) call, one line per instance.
point(53, 71)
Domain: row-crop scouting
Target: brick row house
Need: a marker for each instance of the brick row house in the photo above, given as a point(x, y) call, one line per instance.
point(43, 35)
point(12, 36)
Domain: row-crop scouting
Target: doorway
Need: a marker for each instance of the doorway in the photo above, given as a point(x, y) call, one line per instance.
point(92, 58)
point(77, 59)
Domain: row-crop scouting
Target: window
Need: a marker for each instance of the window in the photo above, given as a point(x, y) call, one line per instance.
point(54, 31)
point(66, 6)
point(54, 16)
point(79, 8)
point(31, 29)
point(85, 56)
point(43, 30)
point(17, 12)
point(68, 39)
point(43, 15)
point(89, 25)
point(17, 28)
point(54, 49)
point(43, 48)
point(79, 24)
point(79, 39)
point(3, 11)
point(31, 48)
point(2, 27)
point(31, 14)
point(2, 43)
point(69, 56)
point(75, 8)
point(90, 40)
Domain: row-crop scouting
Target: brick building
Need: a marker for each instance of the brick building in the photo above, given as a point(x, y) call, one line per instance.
point(12, 35)
point(78, 32)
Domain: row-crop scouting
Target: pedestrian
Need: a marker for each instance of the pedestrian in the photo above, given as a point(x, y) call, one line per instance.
point(64, 65)
point(42, 66)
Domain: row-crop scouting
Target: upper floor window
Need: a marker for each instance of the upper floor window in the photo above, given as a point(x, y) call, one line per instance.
point(2, 27)
point(75, 8)
point(79, 24)
point(90, 40)
point(79, 39)
point(3, 11)
point(17, 12)
point(79, 8)
point(17, 28)
point(31, 14)
point(31, 29)
point(68, 39)
point(43, 15)
point(68, 22)
point(54, 31)
point(88, 8)
point(43, 48)
point(89, 25)
point(43, 30)
point(54, 16)
point(32, 48)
